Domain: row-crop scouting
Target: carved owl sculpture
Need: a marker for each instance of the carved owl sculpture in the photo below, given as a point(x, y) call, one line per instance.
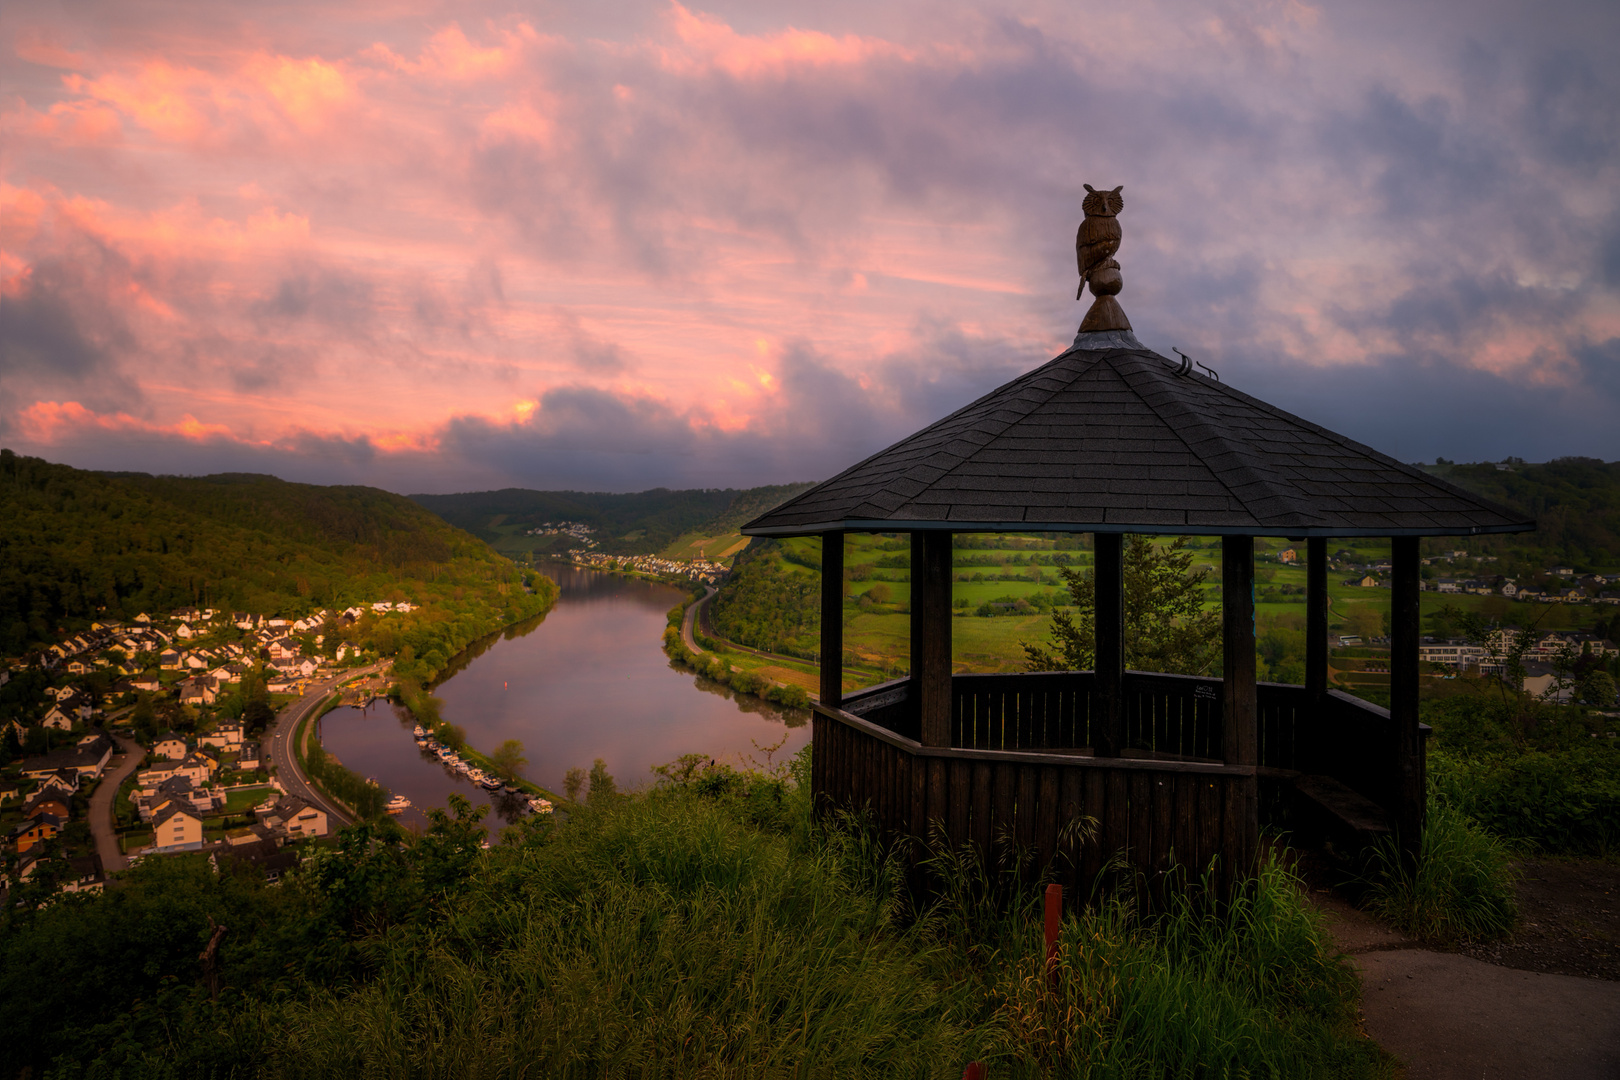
point(1098, 240)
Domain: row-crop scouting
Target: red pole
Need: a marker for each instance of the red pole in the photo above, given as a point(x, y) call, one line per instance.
point(974, 1071)
point(1054, 921)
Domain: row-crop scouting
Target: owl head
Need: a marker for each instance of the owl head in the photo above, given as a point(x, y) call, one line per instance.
point(1103, 203)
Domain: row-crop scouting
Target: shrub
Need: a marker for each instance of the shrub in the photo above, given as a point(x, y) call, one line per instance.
point(1562, 802)
point(1461, 888)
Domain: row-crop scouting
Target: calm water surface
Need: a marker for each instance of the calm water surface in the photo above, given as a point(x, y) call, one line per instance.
point(589, 680)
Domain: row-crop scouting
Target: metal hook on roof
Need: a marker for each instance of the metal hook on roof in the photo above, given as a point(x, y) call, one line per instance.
point(1212, 372)
point(1186, 361)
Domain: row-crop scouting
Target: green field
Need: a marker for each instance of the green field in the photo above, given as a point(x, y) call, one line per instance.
point(1003, 569)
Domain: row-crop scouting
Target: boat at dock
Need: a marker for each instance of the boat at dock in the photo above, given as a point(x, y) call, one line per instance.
point(398, 804)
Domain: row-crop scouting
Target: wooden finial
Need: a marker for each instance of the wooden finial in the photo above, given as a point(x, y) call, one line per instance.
point(1094, 248)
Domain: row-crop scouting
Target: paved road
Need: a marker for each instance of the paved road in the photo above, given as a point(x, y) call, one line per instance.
point(1450, 1017)
point(691, 617)
point(279, 737)
point(101, 803)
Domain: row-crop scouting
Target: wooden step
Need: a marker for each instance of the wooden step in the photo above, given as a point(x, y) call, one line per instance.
point(1326, 809)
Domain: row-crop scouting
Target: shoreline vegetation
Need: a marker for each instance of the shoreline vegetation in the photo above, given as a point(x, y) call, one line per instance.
point(714, 665)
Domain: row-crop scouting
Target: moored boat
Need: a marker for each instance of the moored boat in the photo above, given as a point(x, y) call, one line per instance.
point(540, 806)
point(398, 804)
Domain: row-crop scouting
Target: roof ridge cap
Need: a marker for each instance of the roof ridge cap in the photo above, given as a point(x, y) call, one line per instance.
point(1378, 455)
point(1193, 418)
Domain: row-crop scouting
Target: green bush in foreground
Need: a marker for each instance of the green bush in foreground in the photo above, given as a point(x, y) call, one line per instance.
point(1461, 888)
point(707, 927)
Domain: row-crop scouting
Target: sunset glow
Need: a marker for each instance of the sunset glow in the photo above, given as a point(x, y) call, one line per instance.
point(439, 248)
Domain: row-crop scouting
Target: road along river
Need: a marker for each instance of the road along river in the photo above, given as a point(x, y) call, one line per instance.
point(588, 680)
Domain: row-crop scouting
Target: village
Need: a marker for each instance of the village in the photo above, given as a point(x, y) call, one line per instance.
point(172, 710)
point(699, 570)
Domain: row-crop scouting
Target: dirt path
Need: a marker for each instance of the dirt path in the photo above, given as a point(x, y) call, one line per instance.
point(1453, 1017)
point(129, 758)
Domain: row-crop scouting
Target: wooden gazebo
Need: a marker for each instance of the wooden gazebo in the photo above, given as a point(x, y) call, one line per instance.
point(1112, 438)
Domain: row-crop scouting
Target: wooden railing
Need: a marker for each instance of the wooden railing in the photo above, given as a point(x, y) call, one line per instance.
point(1153, 812)
point(1167, 717)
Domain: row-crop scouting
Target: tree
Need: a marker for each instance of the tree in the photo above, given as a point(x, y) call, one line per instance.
point(1166, 626)
point(574, 782)
point(508, 759)
point(602, 785)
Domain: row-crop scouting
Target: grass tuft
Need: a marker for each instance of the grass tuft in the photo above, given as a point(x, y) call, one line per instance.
point(1461, 889)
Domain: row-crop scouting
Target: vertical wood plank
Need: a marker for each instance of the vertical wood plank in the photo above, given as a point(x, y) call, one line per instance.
point(1096, 804)
point(960, 783)
point(1003, 795)
point(1186, 841)
point(1051, 813)
point(919, 796)
point(1164, 820)
point(939, 794)
point(1071, 805)
point(1025, 819)
point(1116, 820)
point(1142, 822)
point(983, 809)
point(1235, 829)
point(1211, 807)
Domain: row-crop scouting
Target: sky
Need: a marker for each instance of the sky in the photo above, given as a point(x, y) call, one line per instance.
point(451, 247)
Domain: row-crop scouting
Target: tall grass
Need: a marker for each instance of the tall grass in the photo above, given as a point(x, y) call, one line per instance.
point(1247, 986)
point(1461, 888)
point(655, 936)
point(711, 927)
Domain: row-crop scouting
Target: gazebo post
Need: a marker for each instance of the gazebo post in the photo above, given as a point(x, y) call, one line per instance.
point(1240, 703)
point(1316, 619)
point(931, 634)
point(1108, 695)
point(832, 619)
point(1309, 731)
point(1405, 629)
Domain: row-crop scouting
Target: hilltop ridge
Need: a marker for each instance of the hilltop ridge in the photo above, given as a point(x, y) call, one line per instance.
point(78, 545)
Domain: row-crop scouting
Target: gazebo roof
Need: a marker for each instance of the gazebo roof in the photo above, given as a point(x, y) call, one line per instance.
point(1112, 437)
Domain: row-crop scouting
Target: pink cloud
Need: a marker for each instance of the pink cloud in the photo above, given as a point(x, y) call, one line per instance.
point(385, 229)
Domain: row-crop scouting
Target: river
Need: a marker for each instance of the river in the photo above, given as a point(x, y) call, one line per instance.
point(587, 680)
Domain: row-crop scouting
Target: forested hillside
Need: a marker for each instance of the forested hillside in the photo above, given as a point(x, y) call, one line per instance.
point(1576, 503)
point(644, 521)
point(76, 545)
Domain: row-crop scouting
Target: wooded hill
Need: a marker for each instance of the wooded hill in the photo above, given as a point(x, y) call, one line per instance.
point(637, 523)
point(1576, 503)
point(77, 545)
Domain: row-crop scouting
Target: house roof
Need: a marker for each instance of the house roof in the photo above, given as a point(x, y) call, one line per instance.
point(173, 809)
point(1112, 437)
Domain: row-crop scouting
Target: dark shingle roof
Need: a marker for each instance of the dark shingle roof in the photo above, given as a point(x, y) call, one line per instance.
point(1116, 440)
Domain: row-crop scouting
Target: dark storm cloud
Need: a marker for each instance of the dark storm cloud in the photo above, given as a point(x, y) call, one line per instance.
point(56, 338)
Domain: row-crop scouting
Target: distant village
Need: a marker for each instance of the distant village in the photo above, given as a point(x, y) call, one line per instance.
point(709, 573)
point(152, 686)
point(1555, 584)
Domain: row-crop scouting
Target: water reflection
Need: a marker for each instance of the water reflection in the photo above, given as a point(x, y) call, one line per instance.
point(590, 680)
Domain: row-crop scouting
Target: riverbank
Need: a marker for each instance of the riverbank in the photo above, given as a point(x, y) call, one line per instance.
point(587, 681)
point(681, 640)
